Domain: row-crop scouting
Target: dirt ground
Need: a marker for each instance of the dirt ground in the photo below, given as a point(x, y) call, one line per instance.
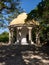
point(24, 55)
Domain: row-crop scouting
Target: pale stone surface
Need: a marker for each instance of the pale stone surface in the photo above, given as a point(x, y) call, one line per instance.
point(21, 20)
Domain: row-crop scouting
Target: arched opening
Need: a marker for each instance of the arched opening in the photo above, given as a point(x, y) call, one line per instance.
point(24, 35)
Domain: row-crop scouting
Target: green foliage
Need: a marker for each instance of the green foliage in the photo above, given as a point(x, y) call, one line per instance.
point(41, 13)
point(10, 5)
point(9, 9)
point(4, 37)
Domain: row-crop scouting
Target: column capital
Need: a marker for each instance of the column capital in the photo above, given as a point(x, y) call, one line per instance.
point(29, 28)
point(11, 29)
point(19, 28)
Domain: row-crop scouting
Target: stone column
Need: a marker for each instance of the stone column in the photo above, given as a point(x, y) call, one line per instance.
point(9, 36)
point(30, 38)
point(19, 34)
point(16, 34)
point(12, 35)
point(37, 38)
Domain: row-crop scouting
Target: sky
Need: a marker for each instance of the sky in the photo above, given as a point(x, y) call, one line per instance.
point(27, 6)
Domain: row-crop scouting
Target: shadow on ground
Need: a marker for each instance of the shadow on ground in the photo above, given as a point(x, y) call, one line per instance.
point(24, 55)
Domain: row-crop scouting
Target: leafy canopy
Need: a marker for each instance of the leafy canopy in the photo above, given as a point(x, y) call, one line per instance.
point(9, 9)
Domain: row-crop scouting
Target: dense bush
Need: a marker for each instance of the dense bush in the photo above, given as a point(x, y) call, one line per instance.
point(4, 37)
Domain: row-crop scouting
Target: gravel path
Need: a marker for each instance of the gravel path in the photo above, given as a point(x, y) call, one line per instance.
point(24, 55)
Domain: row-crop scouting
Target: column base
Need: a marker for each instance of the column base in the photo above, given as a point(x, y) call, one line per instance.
point(29, 41)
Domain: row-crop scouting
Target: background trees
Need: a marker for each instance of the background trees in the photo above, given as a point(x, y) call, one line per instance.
point(9, 9)
point(41, 13)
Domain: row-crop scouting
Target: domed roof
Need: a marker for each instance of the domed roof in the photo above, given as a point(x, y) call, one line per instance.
point(20, 19)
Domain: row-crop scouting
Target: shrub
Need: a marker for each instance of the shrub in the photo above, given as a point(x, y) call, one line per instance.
point(4, 37)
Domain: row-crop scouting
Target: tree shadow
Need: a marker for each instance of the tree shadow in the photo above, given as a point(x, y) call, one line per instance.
point(35, 61)
point(23, 55)
point(11, 55)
